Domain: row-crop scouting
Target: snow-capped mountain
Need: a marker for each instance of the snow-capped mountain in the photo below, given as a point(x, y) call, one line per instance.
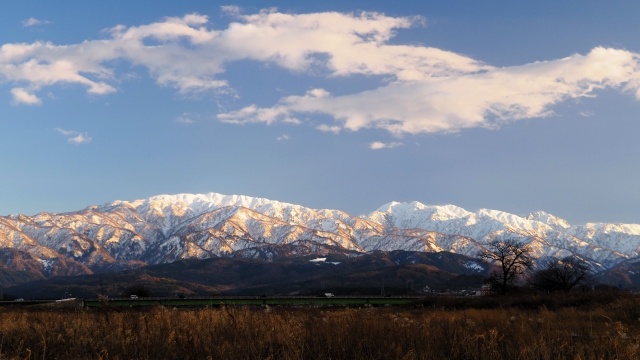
point(166, 228)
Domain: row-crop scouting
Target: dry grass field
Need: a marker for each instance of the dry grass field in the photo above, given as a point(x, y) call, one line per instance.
point(606, 330)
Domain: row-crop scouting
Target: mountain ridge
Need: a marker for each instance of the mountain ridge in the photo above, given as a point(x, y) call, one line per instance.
point(166, 228)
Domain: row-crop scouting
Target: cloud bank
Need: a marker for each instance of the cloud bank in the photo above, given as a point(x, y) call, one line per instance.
point(421, 89)
point(485, 98)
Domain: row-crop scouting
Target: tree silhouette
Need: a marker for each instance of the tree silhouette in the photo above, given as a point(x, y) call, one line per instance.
point(512, 258)
point(561, 275)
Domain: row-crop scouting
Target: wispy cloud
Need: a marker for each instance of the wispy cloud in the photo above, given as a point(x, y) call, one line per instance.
point(66, 132)
point(186, 119)
point(329, 128)
point(422, 89)
point(75, 137)
point(81, 138)
point(378, 145)
point(34, 22)
point(21, 96)
point(283, 137)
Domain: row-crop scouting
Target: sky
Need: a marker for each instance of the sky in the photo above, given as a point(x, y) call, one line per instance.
point(513, 106)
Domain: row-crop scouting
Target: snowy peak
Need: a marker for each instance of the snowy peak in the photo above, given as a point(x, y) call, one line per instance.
point(200, 203)
point(165, 228)
point(181, 205)
point(546, 218)
point(417, 215)
point(404, 210)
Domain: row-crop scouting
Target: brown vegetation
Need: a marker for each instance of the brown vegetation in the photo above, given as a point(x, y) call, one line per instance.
point(586, 331)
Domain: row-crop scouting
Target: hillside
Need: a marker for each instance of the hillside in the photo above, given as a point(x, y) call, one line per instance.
point(167, 228)
point(397, 272)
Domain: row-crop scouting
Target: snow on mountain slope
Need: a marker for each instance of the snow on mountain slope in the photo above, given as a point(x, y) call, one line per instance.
point(548, 235)
point(623, 238)
point(553, 221)
point(165, 228)
point(481, 225)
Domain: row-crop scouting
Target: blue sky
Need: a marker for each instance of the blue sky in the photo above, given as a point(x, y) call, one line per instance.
point(515, 106)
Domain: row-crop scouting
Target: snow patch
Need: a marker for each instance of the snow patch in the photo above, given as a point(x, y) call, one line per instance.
point(472, 265)
point(47, 264)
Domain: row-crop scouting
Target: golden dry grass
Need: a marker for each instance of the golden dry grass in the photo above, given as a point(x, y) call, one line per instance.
point(610, 331)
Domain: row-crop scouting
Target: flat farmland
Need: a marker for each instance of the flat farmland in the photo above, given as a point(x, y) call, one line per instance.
point(255, 301)
point(572, 327)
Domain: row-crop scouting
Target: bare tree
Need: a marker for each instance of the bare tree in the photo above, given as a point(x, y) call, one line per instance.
point(561, 275)
point(513, 258)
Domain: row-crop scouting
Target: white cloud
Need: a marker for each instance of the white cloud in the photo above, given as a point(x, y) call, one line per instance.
point(329, 128)
point(485, 98)
point(254, 114)
point(186, 119)
point(33, 22)
point(283, 137)
point(81, 138)
point(378, 145)
point(185, 54)
point(66, 132)
point(423, 89)
point(75, 137)
point(22, 96)
point(231, 10)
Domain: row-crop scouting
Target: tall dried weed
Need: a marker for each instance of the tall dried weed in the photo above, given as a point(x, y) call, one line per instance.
point(609, 331)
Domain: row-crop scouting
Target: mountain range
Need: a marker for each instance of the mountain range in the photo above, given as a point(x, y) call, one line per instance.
point(167, 228)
